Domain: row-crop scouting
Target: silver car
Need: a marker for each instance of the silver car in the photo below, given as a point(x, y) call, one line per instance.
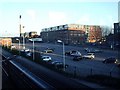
point(46, 58)
point(89, 56)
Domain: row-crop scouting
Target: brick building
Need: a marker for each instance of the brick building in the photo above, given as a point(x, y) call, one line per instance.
point(72, 33)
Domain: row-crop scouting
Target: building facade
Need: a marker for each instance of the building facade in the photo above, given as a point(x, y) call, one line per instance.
point(72, 33)
point(32, 34)
point(116, 34)
point(26, 34)
point(94, 33)
point(5, 41)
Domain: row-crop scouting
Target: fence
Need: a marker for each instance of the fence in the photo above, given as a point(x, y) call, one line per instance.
point(84, 72)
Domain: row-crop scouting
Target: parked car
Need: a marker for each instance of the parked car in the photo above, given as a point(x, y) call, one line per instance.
point(89, 56)
point(118, 65)
point(73, 53)
point(110, 60)
point(59, 65)
point(13, 47)
point(25, 50)
point(46, 58)
point(98, 51)
point(67, 53)
point(29, 54)
point(93, 50)
point(90, 51)
point(48, 50)
point(77, 58)
point(54, 62)
point(85, 49)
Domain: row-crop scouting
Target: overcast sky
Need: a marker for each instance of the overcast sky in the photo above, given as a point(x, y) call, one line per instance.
point(36, 15)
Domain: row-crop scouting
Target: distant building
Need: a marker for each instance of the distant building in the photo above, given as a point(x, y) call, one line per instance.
point(27, 34)
point(72, 33)
point(32, 34)
point(5, 41)
point(116, 34)
point(94, 33)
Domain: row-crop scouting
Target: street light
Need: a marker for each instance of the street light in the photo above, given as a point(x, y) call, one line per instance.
point(23, 38)
point(63, 53)
point(19, 45)
point(33, 51)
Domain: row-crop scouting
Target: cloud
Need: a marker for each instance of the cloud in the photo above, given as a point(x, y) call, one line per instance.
point(57, 18)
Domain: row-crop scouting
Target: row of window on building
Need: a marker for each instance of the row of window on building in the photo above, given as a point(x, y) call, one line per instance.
point(72, 33)
point(69, 33)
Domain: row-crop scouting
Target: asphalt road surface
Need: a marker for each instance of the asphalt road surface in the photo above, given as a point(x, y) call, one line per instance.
point(84, 64)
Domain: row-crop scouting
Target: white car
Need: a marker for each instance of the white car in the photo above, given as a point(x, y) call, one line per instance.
point(25, 50)
point(89, 56)
point(46, 58)
point(13, 47)
point(77, 53)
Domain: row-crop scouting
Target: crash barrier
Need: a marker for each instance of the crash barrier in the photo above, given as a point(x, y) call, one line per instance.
point(23, 78)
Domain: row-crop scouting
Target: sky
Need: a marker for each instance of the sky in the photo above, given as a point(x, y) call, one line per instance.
point(36, 15)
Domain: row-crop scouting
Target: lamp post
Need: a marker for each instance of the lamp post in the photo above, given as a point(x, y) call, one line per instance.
point(20, 25)
point(33, 51)
point(23, 39)
point(19, 45)
point(63, 53)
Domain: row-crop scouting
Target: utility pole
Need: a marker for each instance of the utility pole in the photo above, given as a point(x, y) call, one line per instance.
point(63, 53)
point(20, 25)
point(33, 51)
point(23, 39)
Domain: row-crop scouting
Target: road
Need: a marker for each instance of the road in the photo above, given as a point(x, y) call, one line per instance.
point(53, 78)
point(84, 65)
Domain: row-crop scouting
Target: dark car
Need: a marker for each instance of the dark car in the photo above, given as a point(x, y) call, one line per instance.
point(67, 53)
point(58, 65)
point(52, 63)
point(90, 51)
point(118, 65)
point(77, 58)
point(110, 60)
point(85, 49)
